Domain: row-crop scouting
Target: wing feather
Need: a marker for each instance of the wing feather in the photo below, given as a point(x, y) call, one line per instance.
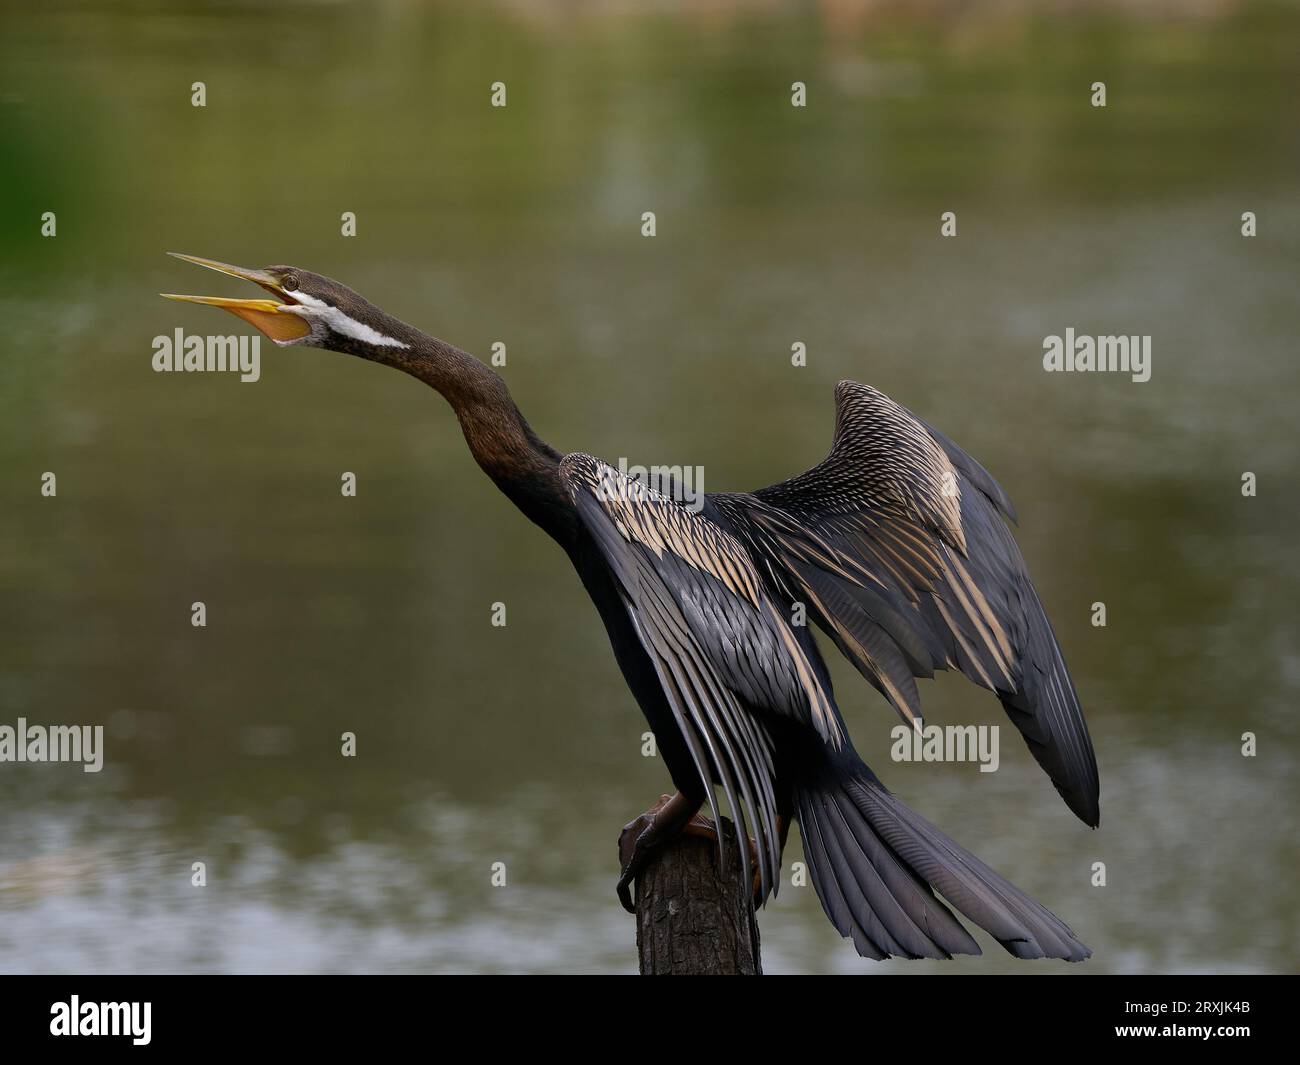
point(725, 657)
point(898, 545)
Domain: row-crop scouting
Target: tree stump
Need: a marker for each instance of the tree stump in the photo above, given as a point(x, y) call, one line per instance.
point(693, 919)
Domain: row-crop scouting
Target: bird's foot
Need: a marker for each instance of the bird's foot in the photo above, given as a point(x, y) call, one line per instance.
point(671, 816)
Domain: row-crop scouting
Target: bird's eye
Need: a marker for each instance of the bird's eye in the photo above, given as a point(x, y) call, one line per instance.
point(289, 282)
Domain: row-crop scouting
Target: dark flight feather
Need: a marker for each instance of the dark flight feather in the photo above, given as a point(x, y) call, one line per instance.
point(734, 672)
point(897, 544)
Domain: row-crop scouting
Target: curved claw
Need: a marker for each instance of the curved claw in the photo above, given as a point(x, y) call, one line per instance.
point(633, 850)
point(670, 816)
point(641, 835)
point(624, 890)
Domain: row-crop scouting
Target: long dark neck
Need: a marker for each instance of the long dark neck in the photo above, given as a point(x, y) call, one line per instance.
point(521, 463)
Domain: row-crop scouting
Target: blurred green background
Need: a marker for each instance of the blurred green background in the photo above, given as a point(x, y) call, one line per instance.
point(480, 744)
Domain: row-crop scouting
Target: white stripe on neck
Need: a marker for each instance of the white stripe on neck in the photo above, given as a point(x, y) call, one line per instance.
point(345, 326)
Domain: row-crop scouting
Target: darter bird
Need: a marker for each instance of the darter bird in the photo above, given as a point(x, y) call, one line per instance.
point(896, 547)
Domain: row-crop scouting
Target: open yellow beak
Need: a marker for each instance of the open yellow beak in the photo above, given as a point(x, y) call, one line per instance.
point(265, 315)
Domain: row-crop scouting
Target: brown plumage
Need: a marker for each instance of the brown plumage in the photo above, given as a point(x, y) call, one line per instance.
point(897, 548)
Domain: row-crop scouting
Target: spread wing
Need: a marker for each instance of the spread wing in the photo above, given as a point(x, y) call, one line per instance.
point(724, 654)
point(897, 542)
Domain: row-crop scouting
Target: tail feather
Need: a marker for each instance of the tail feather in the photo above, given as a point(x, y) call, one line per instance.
point(876, 865)
point(843, 915)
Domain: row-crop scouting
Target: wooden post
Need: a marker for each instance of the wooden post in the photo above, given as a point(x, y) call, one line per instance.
point(691, 919)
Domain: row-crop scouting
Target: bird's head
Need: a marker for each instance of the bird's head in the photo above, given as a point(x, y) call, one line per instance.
point(307, 309)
